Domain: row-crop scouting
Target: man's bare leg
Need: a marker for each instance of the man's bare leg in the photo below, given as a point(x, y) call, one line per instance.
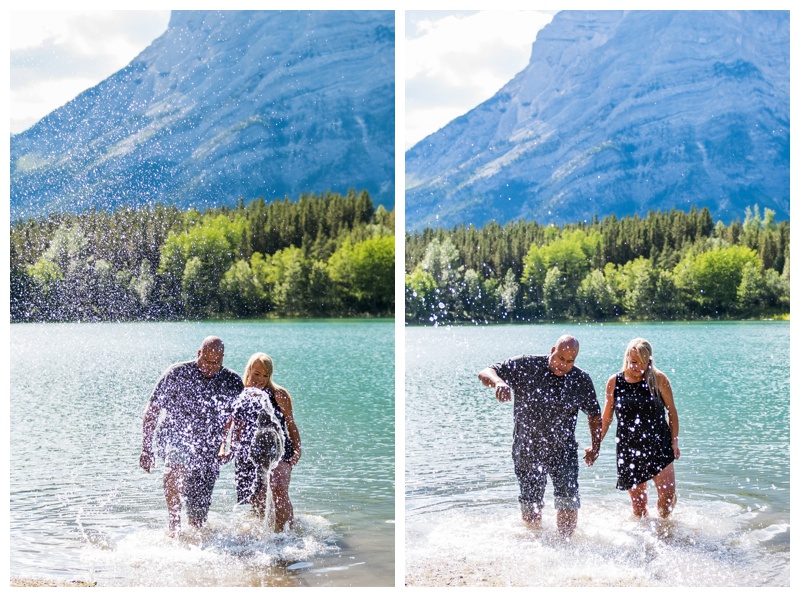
point(531, 516)
point(173, 488)
point(195, 523)
point(566, 521)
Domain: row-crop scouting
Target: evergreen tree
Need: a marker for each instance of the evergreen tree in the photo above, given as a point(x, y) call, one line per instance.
point(555, 299)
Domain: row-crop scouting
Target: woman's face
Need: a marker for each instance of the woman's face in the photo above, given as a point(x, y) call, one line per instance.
point(257, 376)
point(636, 365)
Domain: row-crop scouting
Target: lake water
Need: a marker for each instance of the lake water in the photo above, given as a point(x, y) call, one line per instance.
point(731, 523)
point(82, 509)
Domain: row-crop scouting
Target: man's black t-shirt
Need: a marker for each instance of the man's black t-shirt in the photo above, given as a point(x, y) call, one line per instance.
point(197, 407)
point(546, 405)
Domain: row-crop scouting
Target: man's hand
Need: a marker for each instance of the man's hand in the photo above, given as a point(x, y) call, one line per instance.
point(590, 456)
point(502, 391)
point(490, 379)
point(147, 459)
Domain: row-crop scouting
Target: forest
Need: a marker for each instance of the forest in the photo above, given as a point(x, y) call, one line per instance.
point(322, 255)
point(676, 265)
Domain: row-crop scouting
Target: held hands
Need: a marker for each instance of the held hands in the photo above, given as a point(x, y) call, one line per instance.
point(590, 456)
point(224, 457)
point(502, 391)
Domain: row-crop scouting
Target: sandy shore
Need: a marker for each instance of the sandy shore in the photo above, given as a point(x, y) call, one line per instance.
point(464, 572)
point(452, 574)
point(36, 582)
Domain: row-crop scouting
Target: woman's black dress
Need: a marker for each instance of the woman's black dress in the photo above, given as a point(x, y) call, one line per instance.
point(246, 408)
point(644, 442)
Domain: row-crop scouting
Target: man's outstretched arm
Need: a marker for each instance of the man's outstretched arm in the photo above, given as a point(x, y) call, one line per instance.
point(490, 379)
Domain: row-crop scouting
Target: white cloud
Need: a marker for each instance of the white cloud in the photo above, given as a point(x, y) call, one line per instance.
point(55, 55)
point(456, 61)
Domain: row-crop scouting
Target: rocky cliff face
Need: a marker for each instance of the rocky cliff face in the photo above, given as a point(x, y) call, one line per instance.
point(224, 105)
point(620, 112)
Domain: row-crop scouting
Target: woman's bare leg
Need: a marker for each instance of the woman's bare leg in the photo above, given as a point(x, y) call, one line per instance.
point(665, 484)
point(638, 495)
point(279, 484)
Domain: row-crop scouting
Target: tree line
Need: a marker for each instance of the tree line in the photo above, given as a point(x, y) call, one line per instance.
point(672, 265)
point(324, 255)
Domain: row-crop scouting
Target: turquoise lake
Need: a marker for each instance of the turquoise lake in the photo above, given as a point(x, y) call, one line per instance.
point(731, 523)
point(81, 508)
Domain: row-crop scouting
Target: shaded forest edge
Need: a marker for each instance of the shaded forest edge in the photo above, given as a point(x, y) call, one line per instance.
point(665, 267)
point(319, 256)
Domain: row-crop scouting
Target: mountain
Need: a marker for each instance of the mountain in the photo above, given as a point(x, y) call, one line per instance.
point(224, 105)
point(620, 113)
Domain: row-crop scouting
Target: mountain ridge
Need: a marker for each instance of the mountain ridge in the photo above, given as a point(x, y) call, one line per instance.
point(225, 105)
point(620, 112)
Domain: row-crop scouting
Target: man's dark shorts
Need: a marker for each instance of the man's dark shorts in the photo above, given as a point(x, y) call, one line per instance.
point(200, 475)
point(532, 477)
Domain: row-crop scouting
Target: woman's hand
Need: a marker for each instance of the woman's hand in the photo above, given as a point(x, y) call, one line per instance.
point(295, 456)
point(675, 449)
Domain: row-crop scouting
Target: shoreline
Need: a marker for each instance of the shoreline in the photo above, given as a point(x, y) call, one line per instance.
point(38, 582)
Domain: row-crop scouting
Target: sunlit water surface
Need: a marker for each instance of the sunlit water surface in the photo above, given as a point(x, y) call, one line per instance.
point(731, 523)
point(81, 508)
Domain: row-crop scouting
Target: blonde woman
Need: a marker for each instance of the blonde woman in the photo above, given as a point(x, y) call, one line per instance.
point(647, 441)
point(249, 486)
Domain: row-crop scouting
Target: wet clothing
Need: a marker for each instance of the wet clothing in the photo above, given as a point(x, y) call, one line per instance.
point(197, 408)
point(563, 470)
point(644, 441)
point(249, 479)
point(245, 410)
point(246, 407)
point(199, 482)
point(288, 447)
point(545, 415)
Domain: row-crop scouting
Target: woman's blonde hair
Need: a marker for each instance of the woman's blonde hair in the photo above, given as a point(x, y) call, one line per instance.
point(645, 351)
point(265, 360)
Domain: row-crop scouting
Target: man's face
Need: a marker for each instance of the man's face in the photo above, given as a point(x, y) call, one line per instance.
point(209, 360)
point(562, 358)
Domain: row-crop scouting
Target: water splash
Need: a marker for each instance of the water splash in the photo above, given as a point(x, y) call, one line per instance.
point(706, 544)
point(234, 549)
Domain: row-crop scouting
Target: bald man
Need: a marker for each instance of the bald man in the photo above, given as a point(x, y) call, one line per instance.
point(548, 392)
point(197, 397)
